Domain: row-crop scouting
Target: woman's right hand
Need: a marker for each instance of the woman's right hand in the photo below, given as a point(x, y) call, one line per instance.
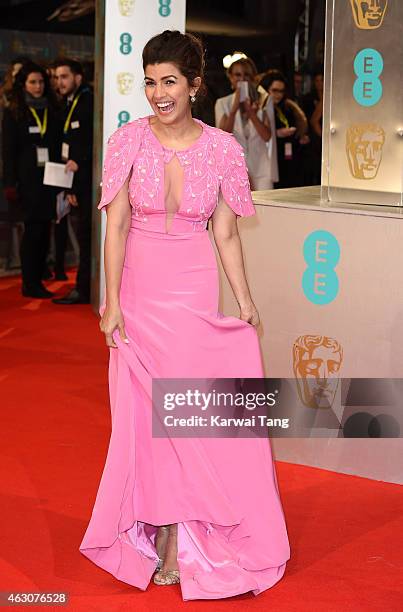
point(236, 101)
point(249, 313)
point(112, 319)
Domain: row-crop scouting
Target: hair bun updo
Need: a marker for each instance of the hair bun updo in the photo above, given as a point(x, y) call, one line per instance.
point(184, 50)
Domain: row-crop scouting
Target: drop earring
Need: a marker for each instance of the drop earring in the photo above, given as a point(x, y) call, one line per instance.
point(193, 98)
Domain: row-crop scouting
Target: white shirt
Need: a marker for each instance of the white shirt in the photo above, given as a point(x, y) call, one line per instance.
point(256, 151)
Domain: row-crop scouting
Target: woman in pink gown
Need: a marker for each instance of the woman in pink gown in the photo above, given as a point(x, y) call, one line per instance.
point(204, 512)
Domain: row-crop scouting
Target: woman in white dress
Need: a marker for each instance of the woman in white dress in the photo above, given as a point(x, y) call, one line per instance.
point(248, 121)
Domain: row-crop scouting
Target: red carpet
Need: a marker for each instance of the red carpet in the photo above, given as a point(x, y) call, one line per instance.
point(346, 532)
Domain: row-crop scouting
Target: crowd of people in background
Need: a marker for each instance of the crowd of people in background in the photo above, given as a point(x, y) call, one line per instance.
point(281, 136)
point(48, 116)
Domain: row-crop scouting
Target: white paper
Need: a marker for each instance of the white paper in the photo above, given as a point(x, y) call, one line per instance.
point(62, 206)
point(56, 176)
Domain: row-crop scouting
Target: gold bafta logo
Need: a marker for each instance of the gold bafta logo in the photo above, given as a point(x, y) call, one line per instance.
point(369, 14)
point(364, 144)
point(125, 82)
point(316, 363)
point(126, 7)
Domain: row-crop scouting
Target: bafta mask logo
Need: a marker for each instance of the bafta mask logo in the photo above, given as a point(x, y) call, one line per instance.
point(364, 144)
point(316, 363)
point(125, 82)
point(126, 7)
point(368, 14)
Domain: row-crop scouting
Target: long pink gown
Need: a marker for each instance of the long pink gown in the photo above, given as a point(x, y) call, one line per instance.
point(222, 492)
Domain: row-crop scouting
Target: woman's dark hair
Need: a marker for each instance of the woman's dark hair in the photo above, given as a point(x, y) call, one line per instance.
point(184, 50)
point(18, 105)
point(274, 75)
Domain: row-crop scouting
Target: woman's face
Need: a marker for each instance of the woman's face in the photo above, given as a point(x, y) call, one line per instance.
point(277, 90)
point(35, 84)
point(168, 91)
point(239, 72)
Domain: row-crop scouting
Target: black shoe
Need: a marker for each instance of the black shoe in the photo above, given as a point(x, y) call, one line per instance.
point(60, 276)
point(74, 297)
point(36, 292)
point(47, 274)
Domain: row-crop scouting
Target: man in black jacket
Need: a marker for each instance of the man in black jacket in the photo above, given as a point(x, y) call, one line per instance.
point(76, 152)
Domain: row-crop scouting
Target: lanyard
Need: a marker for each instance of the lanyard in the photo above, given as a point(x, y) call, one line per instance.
point(42, 126)
point(282, 117)
point(71, 111)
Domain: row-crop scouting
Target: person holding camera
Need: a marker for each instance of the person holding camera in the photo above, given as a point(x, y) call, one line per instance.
point(243, 114)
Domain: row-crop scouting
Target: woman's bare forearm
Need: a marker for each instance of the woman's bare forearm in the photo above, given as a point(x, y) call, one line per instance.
point(262, 129)
point(230, 251)
point(114, 252)
point(315, 119)
point(227, 122)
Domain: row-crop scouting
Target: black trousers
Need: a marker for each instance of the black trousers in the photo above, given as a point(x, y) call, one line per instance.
point(84, 212)
point(61, 234)
point(33, 251)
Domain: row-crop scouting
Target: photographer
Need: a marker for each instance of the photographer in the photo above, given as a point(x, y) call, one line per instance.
point(242, 113)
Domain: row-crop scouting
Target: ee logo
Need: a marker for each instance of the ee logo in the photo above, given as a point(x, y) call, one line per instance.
point(165, 9)
point(368, 66)
point(319, 281)
point(123, 117)
point(126, 43)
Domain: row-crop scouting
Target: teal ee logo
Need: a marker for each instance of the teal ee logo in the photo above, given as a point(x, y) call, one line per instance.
point(123, 117)
point(165, 9)
point(319, 281)
point(368, 66)
point(126, 43)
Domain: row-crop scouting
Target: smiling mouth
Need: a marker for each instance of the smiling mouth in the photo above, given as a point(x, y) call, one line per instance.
point(165, 107)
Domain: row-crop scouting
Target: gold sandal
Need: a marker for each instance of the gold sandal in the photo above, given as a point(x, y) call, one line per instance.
point(164, 528)
point(166, 577)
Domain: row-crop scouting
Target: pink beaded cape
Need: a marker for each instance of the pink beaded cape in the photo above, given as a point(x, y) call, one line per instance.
point(222, 492)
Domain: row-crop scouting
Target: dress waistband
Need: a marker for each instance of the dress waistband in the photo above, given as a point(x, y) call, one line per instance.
point(177, 225)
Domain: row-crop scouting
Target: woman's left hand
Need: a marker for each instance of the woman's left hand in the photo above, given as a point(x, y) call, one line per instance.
point(250, 314)
point(304, 139)
point(72, 199)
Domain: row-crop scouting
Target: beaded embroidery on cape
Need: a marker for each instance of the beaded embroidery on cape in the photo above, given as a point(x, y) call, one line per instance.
point(215, 161)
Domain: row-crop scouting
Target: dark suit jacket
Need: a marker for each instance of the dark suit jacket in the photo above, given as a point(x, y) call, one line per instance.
point(20, 168)
point(79, 138)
